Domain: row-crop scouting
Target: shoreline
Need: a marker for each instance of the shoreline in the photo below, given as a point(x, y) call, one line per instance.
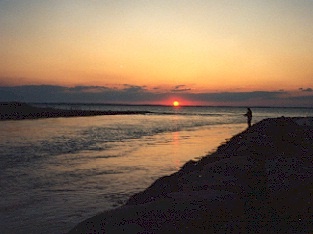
point(260, 180)
point(22, 111)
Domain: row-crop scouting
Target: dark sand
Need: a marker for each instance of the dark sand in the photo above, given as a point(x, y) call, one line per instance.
point(20, 111)
point(260, 181)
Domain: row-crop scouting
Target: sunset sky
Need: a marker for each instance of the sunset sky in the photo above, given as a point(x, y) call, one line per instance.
point(207, 52)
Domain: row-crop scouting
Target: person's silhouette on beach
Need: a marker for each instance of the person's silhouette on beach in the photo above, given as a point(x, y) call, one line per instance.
point(249, 117)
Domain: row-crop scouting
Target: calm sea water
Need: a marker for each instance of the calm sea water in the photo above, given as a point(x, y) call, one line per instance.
point(57, 172)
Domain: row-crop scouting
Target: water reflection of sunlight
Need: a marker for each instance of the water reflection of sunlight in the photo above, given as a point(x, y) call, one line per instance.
point(175, 150)
point(175, 136)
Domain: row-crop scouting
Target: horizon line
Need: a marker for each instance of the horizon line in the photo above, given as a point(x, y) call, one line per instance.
point(163, 105)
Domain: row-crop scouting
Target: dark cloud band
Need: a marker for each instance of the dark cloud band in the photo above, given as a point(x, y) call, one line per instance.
point(133, 94)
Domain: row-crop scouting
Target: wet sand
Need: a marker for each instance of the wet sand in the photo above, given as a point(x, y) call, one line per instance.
point(20, 111)
point(261, 180)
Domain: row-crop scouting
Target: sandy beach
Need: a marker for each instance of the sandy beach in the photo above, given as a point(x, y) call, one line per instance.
point(20, 111)
point(258, 181)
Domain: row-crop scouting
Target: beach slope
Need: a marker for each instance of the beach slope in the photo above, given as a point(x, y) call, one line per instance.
point(261, 180)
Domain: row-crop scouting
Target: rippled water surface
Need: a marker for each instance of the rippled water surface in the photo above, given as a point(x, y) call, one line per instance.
point(58, 172)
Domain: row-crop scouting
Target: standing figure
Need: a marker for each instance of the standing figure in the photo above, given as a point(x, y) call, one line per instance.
point(249, 117)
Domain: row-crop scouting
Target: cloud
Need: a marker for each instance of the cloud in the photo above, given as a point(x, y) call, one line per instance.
point(134, 94)
point(180, 88)
point(32, 93)
point(306, 90)
point(237, 97)
point(302, 101)
point(87, 89)
point(134, 88)
point(83, 94)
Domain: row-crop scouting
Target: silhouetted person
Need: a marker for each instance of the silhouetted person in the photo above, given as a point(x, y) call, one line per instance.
point(249, 117)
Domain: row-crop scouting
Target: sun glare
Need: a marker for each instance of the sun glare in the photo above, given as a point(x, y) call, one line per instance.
point(175, 103)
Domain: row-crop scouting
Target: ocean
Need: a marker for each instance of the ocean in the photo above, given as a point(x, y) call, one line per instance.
point(54, 173)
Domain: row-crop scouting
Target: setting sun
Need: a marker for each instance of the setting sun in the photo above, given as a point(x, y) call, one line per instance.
point(175, 103)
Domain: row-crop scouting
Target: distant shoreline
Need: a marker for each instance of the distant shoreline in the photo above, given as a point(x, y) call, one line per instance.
point(22, 111)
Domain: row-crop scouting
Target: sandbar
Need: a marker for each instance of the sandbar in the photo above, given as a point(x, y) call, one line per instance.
point(21, 111)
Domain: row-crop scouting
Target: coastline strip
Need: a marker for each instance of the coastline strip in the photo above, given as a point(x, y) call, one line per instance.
point(21, 111)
